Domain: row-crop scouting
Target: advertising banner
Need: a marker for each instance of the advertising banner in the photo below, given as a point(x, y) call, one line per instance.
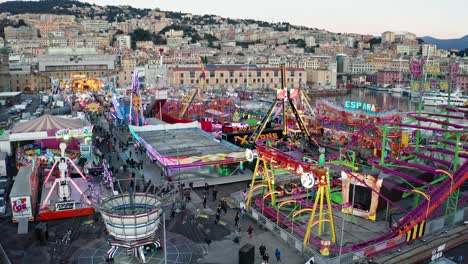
point(21, 207)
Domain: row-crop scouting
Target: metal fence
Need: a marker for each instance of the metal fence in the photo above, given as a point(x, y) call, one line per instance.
point(432, 226)
point(3, 256)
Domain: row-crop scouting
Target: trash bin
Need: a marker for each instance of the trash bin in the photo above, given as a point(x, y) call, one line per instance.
point(247, 254)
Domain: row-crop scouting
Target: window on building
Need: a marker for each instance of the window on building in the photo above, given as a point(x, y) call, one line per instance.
point(217, 80)
point(231, 73)
point(276, 73)
point(300, 74)
point(267, 74)
point(231, 80)
point(212, 73)
point(191, 81)
point(221, 75)
point(235, 80)
point(254, 80)
point(181, 75)
point(226, 81)
point(259, 73)
point(271, 80)
point(292, 73)
point(240, 74)
point(192, 74)
point(245, 80)
point(181, 81)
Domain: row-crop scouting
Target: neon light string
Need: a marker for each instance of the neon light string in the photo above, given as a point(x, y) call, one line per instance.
point(76, 168)
point(51, 170)
point(80, 191)
point(48, 195)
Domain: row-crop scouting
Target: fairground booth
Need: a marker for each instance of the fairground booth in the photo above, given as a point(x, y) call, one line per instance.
point(39, 144)
point(185, 149)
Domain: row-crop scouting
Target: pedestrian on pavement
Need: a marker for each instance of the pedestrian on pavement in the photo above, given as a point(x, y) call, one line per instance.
point(207, 187)
point(243, 212)
point(262, 250)
point(204, 201)
point(266, 258)
point(218, 217)
point(250, 231)
point(236, 219)
point(218, 210)
point(191, 185)
point(278, 255)
point(215, 193)
point(244, 195)
point(224, 205)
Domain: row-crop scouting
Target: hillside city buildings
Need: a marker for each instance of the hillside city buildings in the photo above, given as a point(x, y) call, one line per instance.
point(238, 53)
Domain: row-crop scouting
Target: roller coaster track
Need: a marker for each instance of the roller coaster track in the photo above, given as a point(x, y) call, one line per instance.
point(436, 194)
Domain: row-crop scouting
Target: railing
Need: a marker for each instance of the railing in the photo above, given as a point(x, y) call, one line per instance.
point(3, 256)
point(431, 227)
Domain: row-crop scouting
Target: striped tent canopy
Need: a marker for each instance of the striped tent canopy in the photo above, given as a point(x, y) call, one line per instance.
point(47, 123)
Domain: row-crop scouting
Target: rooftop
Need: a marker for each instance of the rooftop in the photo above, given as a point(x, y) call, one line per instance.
point(9, 94)
point(186, 142)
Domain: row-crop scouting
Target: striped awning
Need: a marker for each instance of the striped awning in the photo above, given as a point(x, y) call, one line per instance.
point(47, 123)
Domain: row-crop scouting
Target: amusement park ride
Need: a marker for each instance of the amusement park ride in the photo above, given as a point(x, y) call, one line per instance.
point(61, 200)
point(391, 172)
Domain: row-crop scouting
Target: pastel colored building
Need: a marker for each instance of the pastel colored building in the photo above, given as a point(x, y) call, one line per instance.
point(386, 78)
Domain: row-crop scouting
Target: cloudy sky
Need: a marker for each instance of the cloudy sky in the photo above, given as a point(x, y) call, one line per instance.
point(437, 18)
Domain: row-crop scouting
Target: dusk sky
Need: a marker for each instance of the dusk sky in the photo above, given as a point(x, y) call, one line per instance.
point(437, 18)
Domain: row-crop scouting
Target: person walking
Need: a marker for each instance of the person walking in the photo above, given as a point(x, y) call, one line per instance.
point(250, 231)
point(218, 217)
point(236, 219)
point(204, 201)
point(262, 250)
point(224, 205)
point(243, 212)
point(215, 193)
point(266, 258)
point(277, 255)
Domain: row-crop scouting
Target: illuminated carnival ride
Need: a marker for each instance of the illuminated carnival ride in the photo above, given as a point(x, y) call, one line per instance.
point(371, 168)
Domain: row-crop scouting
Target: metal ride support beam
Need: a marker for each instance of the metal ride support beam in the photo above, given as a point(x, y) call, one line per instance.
point(299, 118)
point(452, 200)
point(283, 86)
point(187, 104)
point(323, 192)
point(256, 134)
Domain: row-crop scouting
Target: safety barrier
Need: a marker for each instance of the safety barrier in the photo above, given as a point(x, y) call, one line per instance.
point(429, 227)
point(3, 256)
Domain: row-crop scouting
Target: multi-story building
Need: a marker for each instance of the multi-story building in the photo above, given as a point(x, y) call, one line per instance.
point(21, 33)
point(124, 42)
point(127, 66)
point(358, 67)
point(462, 83)
point(155, 75)
point(68, 62)
point(321, 78)
point(4, 71)
point(234, 76)
point(93, 25)
point(23, 78)
point(388, 37)
point(429, 50)
point(386, 78)
point(407, 49)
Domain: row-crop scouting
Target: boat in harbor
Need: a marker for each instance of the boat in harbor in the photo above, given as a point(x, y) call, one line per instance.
point(434, 99)
point(377, 88)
